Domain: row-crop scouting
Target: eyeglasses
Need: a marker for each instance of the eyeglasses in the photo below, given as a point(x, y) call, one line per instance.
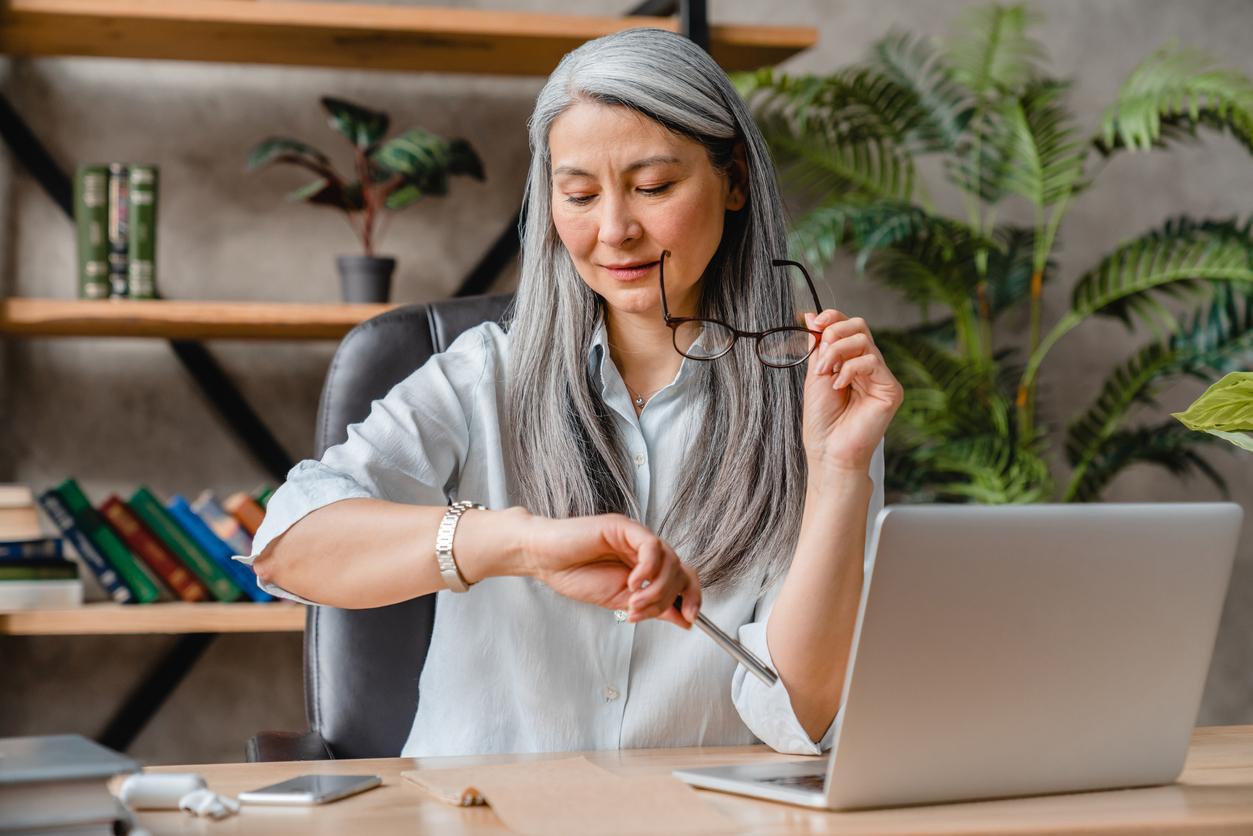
point(709, 339)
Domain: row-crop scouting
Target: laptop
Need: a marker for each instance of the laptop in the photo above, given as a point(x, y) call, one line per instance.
point(1017, 650)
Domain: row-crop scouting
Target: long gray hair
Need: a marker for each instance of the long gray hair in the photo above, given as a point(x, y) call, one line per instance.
point(737, 508)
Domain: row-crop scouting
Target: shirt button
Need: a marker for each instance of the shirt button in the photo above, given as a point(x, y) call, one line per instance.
point(620, 615)
point(611, 693)
point(639, 459)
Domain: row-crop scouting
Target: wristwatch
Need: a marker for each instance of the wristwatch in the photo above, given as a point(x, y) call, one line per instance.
point(448, 570)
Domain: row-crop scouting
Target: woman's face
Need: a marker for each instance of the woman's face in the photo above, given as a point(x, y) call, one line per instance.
point(624, 190)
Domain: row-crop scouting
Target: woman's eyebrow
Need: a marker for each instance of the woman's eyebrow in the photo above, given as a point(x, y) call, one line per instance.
point(660, 159)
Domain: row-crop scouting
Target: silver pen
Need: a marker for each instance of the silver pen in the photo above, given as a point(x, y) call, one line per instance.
point(738, 651)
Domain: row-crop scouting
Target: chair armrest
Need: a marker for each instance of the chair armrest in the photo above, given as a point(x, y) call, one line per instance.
point(287, 746)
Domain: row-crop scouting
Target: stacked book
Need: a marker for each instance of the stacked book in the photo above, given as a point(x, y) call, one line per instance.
point(33, 570)
point(115, 213)
point(143, 549)
point(60, 784)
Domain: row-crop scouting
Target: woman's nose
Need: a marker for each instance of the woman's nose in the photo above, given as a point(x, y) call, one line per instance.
point(617, 223)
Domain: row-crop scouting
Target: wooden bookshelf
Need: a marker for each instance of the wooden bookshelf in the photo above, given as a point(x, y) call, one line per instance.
point(339, 34)
point(116, 619)
point(178, 320)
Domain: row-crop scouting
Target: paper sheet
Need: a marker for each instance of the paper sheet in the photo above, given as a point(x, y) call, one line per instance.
point(574, 797)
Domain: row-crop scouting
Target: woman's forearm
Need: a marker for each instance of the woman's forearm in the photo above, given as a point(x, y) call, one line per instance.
point(359, 553)
point(810, 630)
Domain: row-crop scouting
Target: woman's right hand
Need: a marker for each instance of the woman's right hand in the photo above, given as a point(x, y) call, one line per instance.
point(614, 562)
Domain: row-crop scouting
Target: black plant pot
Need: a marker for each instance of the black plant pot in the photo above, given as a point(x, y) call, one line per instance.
point(365, 278)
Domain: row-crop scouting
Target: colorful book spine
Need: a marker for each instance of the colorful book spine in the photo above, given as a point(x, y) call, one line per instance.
point(43, 547)
point(263, 494)
point(247, 510)
point(223, 524)
point(149, 509)
point(91, 218)
point(242, 575)
point(92, 525)
point(54, 507)
point(119, 229)
point(142, 243)
point(149, 549)
point(39, 570)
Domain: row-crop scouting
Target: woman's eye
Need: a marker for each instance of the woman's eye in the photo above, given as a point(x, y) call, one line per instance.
point(579, 200)
point(656, 189)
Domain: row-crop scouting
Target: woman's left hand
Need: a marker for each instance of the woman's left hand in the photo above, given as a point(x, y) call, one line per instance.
point(850, 394)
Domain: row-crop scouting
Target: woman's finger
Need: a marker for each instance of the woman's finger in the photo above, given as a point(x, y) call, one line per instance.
point(845, 327)
point(649, 602)
point(691, 593)
point(649, 558)
point(864, 366)
point(843, 350)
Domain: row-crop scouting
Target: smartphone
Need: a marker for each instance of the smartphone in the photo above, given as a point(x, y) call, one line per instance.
point(311, 789)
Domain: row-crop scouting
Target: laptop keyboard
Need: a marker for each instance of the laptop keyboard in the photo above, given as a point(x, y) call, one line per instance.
point(805, 782)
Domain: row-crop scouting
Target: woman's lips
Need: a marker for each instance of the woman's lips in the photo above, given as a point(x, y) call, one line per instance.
point(626, 274)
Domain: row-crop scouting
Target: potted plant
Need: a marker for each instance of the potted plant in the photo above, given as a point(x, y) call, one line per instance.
point(984, 106)
point(389, 175)
point(1224, 410)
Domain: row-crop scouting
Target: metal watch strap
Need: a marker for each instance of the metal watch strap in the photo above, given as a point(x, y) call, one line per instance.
point(448, 570)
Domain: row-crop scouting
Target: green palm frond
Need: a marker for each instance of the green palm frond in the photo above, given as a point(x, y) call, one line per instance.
point(931, 267)
point(864, 227)
point(980, 164)
point(1172, 260)
point(944, 107)
point(825, 163)
point(946, 394)
point(1047, 154)
point(985, 469)
point(1218, 339)
point(991, 51)
point(847, 133)
point(1181, 258)
point(1170, 445)
point(1010, 265)
point(1171, 94)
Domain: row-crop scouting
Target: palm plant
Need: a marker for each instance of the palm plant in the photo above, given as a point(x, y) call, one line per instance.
point(849, 145)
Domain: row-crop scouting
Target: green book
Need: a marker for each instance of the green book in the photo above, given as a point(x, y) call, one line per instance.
point(21, 570)
point(93, 526)
point(119, 230)
point(149, 509)
point(142, 232)
point(91, 215)
point(263, 494)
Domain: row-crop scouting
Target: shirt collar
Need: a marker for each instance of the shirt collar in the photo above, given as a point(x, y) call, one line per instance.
point(598, 356)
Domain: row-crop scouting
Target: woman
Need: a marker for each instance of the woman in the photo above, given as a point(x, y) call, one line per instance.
point(585, 431)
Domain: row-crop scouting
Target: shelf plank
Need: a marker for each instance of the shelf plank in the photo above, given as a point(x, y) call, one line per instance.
point(180, 320)
point(117, 619)
point(358, 36)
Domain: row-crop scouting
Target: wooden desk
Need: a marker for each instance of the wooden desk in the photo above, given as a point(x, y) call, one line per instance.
point(1214, 795)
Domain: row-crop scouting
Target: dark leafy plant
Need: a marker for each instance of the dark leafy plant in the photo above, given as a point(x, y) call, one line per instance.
point(389, 174)
point(849, 146)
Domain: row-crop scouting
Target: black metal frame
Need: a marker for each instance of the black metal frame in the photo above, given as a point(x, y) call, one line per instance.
point(152, 691)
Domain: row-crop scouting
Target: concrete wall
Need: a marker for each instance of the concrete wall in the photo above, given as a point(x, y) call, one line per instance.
point(119, 413)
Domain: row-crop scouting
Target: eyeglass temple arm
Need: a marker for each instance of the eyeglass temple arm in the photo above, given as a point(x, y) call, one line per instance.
point(783, 262)
point(661, 276)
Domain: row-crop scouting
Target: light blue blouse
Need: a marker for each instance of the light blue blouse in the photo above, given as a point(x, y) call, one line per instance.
point(513, 666)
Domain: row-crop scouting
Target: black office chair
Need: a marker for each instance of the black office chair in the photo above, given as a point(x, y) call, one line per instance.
point(362, 666)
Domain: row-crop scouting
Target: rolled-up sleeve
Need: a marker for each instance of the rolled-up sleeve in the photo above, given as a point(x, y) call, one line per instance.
point(767, 710)
point(408, 449)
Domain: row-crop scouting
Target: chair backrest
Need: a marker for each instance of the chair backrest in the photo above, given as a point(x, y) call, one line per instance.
point(362, 666)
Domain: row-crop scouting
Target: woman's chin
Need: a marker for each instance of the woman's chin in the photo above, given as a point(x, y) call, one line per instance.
point(635, 300)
